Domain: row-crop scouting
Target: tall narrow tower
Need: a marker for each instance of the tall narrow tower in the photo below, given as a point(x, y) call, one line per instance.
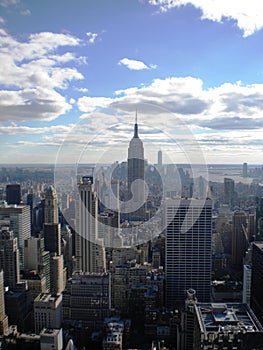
point(89, 250)
point(136, 175)
point(51, 206)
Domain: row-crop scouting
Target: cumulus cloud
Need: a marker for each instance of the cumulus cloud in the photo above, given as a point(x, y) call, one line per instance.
point(38, 103)
point(31, 72)
point(135, 64)
point(91, 37)
point(228, 106)
point(247, 14)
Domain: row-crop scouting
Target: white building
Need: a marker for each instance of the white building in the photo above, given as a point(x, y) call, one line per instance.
point(47, 311)
point(51, 339)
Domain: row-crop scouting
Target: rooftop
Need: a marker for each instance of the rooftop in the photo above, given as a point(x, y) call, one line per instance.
point(227, 318)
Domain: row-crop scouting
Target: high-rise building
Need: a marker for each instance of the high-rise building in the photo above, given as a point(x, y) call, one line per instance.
point(244, 170)
point(56, 274)
point(160, 158)
point(19, 307)
point(87, 298)
point(47, 311)
point(246, 284)
point(136, 164)
point(240, 241)
point(90, 253)
point(52, 238)
point(3, 317)
point(51, 206)
point(229, 191)
point(259, 218)
point(256, 300)
point(188, 256)
point(13, 194)
point(9, 257)
point(18, 217)
point(37, 259)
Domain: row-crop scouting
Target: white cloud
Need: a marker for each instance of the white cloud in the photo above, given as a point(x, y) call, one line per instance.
point(39, 103)
point(91, 37)
point(26, 12)
point(31, 72)
point(135, 64)
point(223, 117)
point(89, 104)
point(247, 14)
point(2, 21)
point(7, 3)
point(21, 129)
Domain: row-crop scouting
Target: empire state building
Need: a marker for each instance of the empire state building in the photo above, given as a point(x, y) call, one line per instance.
point(136, 176)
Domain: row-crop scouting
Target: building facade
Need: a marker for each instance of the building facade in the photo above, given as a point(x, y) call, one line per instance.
point(188, 257)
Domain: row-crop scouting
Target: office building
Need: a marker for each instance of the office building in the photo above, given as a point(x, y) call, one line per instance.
point(19, 307)
point(247, 273)
point(244, 170)
point(13, 194)
point(56, 274)
point(259, 218)
point(136, 165)
point(51, 206)
point(90, 252)
point(160, 158)
point(52, 238)
point(226, 326)
point(18, 217)
point(3, 317)
point(256, 300)
point(37, 259)
point(9, 257)
point(188, 256)
point(47, 312)
point(240, 240)
point(229, 191)
point(51, 339)
point(87, 298)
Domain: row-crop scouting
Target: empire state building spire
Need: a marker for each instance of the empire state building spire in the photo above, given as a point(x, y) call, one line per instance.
point(136, 127)
point(136, 165)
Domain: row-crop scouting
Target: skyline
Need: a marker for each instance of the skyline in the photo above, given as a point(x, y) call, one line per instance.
point(71, 71)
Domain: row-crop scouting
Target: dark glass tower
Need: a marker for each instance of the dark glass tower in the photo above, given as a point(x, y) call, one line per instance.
point(136, 176)
point(13, 194)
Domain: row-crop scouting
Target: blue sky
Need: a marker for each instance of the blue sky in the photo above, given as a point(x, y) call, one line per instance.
point(73, 73)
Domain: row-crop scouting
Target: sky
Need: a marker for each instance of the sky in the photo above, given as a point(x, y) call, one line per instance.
point(74, 73)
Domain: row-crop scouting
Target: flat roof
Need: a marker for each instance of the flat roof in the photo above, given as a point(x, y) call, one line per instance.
point(226, 317)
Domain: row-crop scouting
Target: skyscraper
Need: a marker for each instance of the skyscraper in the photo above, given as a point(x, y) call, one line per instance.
point(188, 249)
point(160, 158)
point(9, 257)
point(136, 176)
point(240, 240)
point(229, 190)
point(256, 300)
point(13, 194)
point(3, 317)
point(18, 217)
point(90, 253)
point(51, 206)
